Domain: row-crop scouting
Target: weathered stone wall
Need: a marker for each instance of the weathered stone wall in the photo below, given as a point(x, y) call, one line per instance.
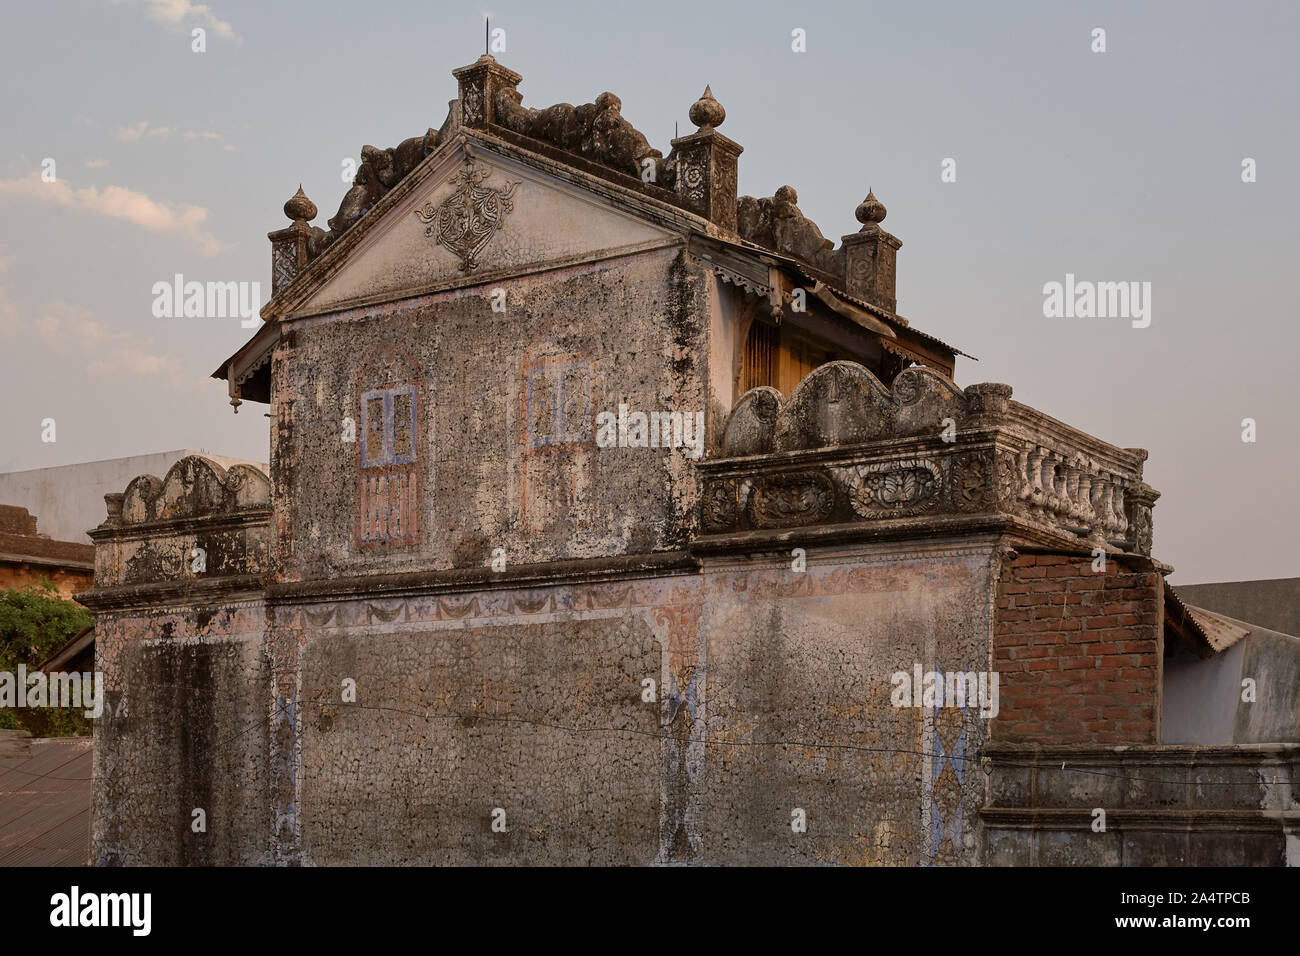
point(543, 720)
point(774, 692)
point(183, 729)
point(1142, 805)
point(499, 450)
point(808, 660)
point(1079, 651)
point(180, 638)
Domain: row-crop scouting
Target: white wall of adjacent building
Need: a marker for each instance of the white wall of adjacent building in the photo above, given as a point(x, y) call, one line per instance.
point(68, 500)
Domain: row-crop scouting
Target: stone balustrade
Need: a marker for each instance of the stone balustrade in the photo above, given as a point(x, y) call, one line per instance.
point(843, 449)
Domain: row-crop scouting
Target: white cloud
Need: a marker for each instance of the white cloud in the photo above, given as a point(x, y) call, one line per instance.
point(47, 329)
point(130, 134)
point(93, 334)
point(136, 363)
point(96, 163)
point(142, 129)
point(181, 16)
point(67, 324)
point(62, 326)
point(118, 202)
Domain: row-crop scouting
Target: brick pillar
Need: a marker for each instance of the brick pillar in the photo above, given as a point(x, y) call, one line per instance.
point(1079, 652)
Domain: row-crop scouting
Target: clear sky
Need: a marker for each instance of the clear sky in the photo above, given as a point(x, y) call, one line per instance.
point(1117, 166)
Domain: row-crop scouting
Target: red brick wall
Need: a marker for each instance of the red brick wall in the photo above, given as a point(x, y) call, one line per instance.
point(1079, 652)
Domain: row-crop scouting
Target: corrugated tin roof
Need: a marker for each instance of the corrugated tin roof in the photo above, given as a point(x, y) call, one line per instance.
point(45, 802)
point(1208, 633)
point(1220, 631)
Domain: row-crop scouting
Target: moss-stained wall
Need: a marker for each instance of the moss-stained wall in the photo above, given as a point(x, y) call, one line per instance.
point(183, 729)
point(474, 427)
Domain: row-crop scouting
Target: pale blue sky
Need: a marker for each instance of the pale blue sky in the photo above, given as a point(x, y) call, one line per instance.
point(1117, 166)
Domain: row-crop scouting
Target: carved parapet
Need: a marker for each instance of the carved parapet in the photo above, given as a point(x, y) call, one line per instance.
point(845, 449)
point(201, 522)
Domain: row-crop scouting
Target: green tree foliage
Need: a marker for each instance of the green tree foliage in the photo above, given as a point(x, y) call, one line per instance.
point(34, 623)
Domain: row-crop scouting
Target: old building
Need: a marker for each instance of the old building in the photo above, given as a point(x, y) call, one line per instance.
point(28, 557)
point(606, 508)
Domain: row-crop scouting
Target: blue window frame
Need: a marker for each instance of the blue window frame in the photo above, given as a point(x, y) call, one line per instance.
point(388, 426)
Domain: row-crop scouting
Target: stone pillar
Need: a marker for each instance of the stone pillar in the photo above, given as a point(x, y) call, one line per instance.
point(479, 84)
point(706, 165)
point(1138, 504)
point(870, 256)
point(289, 245)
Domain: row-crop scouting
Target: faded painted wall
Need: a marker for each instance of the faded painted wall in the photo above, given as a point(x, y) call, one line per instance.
point(462, 447)
point(774, 694)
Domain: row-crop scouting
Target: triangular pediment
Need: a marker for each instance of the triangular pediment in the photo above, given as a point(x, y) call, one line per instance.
point(475, 217)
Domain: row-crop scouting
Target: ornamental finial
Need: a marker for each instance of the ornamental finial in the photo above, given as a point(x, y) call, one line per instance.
point(299, 207)
point(706, 112)
point(871, 210)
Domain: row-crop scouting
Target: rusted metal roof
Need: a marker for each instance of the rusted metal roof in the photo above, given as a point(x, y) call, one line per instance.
point(45, 788)
point(1206, 632)
point(1221, 632)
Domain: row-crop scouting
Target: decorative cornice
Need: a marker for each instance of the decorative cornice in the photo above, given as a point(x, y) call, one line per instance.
point(223, 591)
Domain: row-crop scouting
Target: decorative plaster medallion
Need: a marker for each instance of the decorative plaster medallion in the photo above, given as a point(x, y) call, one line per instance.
point(466, 221)
point(719, 505)
point(791, 498)
point(907, 386)
point(894, 489)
